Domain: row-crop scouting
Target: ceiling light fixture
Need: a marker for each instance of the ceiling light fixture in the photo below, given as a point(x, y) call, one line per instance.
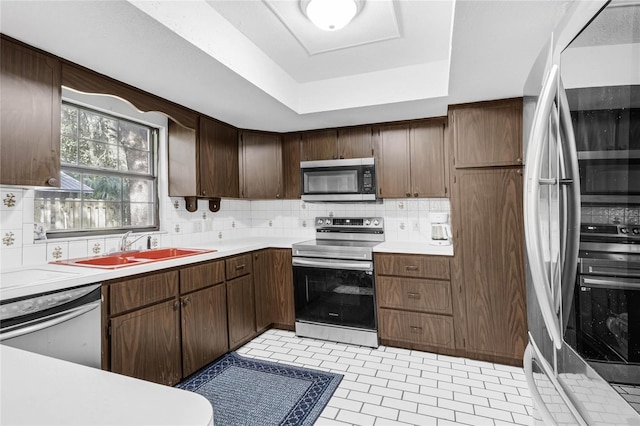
point(330, 15)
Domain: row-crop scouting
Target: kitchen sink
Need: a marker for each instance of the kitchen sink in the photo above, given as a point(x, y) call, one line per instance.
point(132, 258)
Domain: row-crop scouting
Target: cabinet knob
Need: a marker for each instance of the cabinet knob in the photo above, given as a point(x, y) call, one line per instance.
point(186, 300)
point(204, 192)
point(52, 181)
point(277, 195)
point(176, 304)
point(519, 160)
point(408, 194)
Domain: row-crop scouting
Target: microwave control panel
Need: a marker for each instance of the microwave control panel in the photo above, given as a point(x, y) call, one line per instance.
point(368, 181)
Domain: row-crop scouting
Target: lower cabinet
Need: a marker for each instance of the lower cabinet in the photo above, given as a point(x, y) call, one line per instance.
point(240, 300)
point(241, 310)
point(414, 302)
point(146, 343)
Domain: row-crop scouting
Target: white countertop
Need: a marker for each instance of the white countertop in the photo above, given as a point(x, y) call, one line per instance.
point(50, 276)
point(39, 390)
point(26, 280)
point(413, 247)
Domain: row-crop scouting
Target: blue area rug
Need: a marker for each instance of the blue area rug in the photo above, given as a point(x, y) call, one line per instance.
point(246, 391)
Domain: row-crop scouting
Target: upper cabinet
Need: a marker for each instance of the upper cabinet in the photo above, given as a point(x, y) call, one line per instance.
point(30, 119)
point(355, 142)
point(319, 145)
point(260, 165)
point(218, 161)
point(348, 142)
point(183, 173)
point(487, 134)
point(410, 160)
point(291, 165)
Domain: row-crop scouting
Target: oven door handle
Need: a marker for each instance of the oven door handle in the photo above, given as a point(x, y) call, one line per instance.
point(612, 283)
point(38, 326)
point(353, 266)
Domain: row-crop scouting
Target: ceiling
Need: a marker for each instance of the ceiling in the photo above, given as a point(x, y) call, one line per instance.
point(259, 64)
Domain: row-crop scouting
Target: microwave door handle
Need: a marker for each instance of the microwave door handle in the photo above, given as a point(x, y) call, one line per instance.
point(533, 238)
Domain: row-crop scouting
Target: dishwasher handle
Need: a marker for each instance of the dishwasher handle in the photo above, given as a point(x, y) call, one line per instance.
point(37, 326)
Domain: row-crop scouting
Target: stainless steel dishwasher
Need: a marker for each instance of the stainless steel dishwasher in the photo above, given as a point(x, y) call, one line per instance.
point(64, 324)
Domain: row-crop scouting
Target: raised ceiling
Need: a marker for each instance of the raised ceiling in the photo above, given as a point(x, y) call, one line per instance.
point(261, 65)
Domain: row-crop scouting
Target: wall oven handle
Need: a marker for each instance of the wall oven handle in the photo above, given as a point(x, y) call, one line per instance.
point(354, 266)
point(613, 283)
point(533, 236)
point(69, 315)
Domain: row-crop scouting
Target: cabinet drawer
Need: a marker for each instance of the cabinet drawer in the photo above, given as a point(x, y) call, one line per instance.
point(424, 329)
point(131, 294)
point(414, 294)
point(200, 276)
point(238, 266)
point(412, 265)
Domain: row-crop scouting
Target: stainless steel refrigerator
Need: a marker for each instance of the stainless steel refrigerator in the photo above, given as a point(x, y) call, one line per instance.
point(594, 50)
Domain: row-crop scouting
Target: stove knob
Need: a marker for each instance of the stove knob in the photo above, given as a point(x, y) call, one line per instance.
point(320, 221)
point(636, 231)
point(624, 230)
point(327, 222)
point(367, 222)
point(376, 222)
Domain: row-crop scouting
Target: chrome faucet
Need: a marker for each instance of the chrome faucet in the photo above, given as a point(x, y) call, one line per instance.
point(123, 241)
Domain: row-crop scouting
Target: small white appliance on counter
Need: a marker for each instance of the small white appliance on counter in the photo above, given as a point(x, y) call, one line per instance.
point(440, 229)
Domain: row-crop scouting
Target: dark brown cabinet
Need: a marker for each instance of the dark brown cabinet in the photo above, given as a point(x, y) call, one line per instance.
point(182, 168)
point(411, 160)
point(291, 165)
point(203, 314)
point(30, 119)
point(273, 279)
point(319, 145)
point(240, 300)
point(414, 302)
point(487, 133)
point(145, 328)
point(346, 142)
point(491, 256)
point(218, 159)
point(260, 165)
point(355, 142)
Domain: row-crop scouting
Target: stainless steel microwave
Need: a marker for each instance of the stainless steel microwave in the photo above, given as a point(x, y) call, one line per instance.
point(338, 180)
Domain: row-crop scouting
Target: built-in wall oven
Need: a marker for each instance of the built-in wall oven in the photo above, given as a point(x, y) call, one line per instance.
point(608, 301)
point(334, 285)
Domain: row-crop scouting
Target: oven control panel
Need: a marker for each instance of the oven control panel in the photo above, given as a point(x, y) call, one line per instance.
point(611, 231)
point(349, 222)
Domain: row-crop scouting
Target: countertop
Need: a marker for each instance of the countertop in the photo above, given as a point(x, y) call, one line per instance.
point(39, 390)
point(27, 280)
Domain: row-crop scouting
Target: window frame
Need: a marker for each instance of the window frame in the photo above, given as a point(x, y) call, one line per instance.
point(154, 140)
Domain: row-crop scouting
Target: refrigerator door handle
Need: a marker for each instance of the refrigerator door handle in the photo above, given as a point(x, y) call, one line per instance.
point(571, 191)
point(538, 402)
point(533, 353)
point(533, 238)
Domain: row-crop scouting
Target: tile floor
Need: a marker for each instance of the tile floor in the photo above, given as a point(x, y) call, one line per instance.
point(391, 386)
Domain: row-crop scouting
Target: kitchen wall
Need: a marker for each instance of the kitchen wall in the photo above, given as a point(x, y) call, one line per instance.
point(405, 220)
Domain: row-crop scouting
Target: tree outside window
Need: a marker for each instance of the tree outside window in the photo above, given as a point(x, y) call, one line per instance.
point(107, 177)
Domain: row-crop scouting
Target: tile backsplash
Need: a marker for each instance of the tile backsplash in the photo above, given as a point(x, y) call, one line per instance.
point(405, 220)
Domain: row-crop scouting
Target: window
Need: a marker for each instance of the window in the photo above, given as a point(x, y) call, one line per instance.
point(107, 177)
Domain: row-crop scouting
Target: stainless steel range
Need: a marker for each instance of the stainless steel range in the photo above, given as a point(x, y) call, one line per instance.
point(334, 284)
point(608, 301)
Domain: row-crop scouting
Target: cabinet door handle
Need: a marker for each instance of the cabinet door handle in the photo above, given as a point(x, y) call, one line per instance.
point(415, 329)
point(277, 195)
point(238, 267)
point(413, 295)
point(411, 268)
point(176, 304)
point(204, 192)
point(415, 194)
point(186, 300)
point(408, 194)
